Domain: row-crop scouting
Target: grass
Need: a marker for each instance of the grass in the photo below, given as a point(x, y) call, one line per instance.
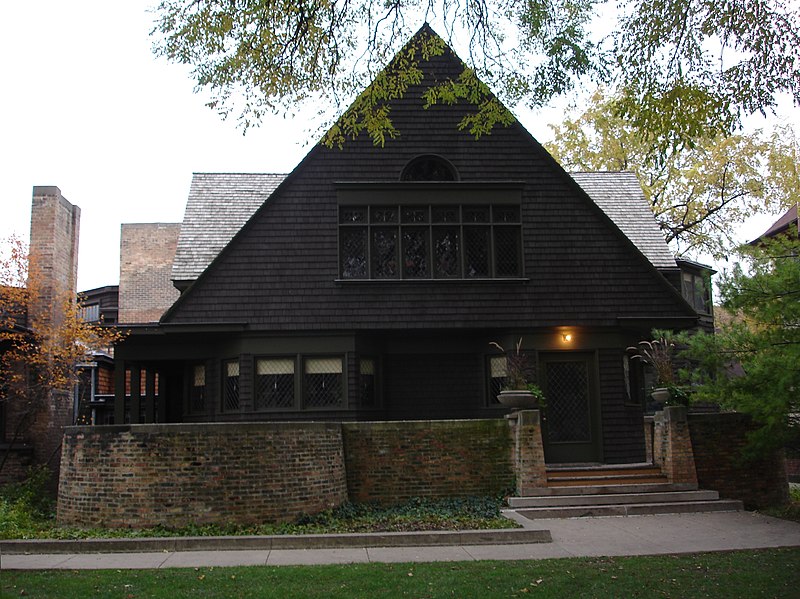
point(26, 513)
point(750, 574)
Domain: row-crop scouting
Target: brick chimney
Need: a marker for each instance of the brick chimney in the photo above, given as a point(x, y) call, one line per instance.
point(55, 225)
point(53, 253)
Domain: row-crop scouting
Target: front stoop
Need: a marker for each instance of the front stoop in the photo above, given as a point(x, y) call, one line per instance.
point(586, 491)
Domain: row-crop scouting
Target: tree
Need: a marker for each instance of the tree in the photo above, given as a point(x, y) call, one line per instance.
point(683, 68)
point(698, 194)
point(42, 339)
point(753, 363)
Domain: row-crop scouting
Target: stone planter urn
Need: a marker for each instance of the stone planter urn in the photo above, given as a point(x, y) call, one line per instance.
point(661, 394)
point(520, 399)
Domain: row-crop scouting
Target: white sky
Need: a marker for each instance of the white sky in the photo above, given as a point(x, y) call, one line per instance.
point(86, 106)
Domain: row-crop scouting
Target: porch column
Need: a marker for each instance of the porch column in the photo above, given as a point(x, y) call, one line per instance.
point(529, 463)
point(136, 393)
point(149, 395)
point(161, 398)
point(672, 446)
point(119, 391)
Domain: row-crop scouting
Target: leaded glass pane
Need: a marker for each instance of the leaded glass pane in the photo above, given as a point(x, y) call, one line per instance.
point(445, 214)
point(384, 214)
point(323, 382)
point(415, 214)
point(384, 253)
point(568, 402)
point(197, 391)
point(231, 386)
point(476, 252)
point(507, 252)
point(498, 367)
point(415, 252)
point(352, 214)
point(367, 381)
point(476, 214)
point(446, 252)
point(353, 247)
point(506, 214)
point(274, 383)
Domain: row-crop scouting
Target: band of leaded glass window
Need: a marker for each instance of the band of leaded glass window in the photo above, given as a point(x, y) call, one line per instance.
point(430, 242)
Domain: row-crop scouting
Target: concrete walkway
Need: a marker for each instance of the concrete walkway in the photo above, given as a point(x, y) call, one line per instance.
point(583, 537)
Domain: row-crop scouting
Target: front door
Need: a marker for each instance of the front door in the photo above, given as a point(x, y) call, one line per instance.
point(571, 430)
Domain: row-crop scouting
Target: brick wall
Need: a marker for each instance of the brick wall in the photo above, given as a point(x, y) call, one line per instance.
point(673, 449)
point(144, 475)
point(389, 462)
point(173, 475)
point(19, 459)
point(145, 271)
point(718, 440)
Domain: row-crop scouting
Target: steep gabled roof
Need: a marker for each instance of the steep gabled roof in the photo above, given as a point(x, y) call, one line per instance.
point(620, 196)
point(280, 270)
point(219, 205)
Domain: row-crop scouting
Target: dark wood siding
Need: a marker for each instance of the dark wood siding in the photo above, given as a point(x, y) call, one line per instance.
point(623, 430)
point(420, 386)
point(280, 272)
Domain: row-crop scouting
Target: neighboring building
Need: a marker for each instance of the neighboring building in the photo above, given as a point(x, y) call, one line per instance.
point(146, 254)
point(786, 223)
point(94, 394)
point(369, 283)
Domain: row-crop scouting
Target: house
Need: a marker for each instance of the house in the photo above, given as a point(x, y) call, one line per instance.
point(369, 282)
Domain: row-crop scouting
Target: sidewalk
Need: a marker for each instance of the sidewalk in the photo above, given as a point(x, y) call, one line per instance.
point(583, 537)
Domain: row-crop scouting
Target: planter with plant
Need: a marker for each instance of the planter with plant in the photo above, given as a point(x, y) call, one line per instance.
point(658, 354)
point(517, 391)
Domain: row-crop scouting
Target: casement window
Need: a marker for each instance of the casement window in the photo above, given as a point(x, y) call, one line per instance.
point(322, 382)
point(367, 372)
point(197, 388)
point(634, 373)
point(230, 387)
point(697, 292)
point(274, 388)
point(497, 371)
point(414, 242)
point(90, 313)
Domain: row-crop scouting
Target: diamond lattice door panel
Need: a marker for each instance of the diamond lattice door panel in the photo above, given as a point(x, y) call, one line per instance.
point(571, 430)
point(568, 408)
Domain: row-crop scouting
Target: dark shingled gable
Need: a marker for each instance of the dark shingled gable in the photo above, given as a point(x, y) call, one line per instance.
point(279, 273)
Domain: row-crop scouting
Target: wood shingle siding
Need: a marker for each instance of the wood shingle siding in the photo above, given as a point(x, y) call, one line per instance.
point(280, 272)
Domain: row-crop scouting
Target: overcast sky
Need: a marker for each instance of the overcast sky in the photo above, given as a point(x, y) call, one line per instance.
point(87, 107)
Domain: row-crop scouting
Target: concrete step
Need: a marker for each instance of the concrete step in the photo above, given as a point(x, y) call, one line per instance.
point(627, 509)
point(612, 499)
point(610, 489)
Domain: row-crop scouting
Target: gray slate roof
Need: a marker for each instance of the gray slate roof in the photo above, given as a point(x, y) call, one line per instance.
point(620, 196)
point(219, 205)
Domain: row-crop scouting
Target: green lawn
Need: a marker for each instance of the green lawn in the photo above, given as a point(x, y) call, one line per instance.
point(745, 574)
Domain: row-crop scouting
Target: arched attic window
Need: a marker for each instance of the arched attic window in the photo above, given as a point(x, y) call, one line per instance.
point(429, 167)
